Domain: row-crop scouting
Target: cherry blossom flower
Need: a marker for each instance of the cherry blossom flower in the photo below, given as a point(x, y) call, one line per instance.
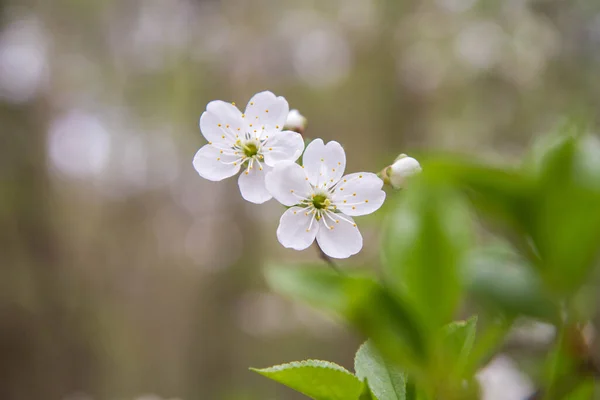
point(253, 141)
point(322, 201)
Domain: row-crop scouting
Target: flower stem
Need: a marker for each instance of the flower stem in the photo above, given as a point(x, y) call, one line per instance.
point(384, 176)
point(328, 259)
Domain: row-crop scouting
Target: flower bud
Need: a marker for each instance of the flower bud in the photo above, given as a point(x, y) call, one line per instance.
point(295, 122)
point(401, 169)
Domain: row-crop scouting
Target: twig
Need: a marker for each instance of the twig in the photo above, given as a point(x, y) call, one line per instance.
point(327, 259)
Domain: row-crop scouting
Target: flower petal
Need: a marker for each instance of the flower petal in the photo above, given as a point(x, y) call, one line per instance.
point(359, 194)
point(339, 238)
point(221, 122)
point(283, 146)
point(265, 113)
point(295, 230)
point(288, 183)
point(324, 164)
point(252, 184)
point(211, 164)
point(402, 169)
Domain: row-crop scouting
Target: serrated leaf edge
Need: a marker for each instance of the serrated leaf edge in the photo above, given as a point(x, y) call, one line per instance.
point(311, 363)
point(387, 369)
point(357, 352)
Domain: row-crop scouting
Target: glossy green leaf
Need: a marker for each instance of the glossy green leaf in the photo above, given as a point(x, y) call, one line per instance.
point(387, 381)
point(319, 380)
point(424, 241)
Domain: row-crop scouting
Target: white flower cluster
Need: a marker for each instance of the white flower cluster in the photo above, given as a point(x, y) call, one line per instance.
point(321, 198)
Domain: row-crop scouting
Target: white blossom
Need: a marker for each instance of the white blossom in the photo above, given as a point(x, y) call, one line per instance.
point(403, 168)
point(295, 121)
point(253, 140)
point(322, 201)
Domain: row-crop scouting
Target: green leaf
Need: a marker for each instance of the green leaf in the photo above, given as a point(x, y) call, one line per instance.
point(390, 323)
point(411, 390)
point(370, 308)
point(543, 145)
point(566, 229)
point(387, 381)
point(316, 285)
point(459, 337)
point(501, 280)
point(319, 380)
point(584, 391)
point(424, 241)
point(367, 394)
point(503, 194)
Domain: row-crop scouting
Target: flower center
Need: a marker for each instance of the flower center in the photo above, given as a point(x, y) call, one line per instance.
point(250, 149)
point(320, 201)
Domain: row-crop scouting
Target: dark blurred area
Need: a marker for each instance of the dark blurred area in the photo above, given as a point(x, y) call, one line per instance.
point(124, 274)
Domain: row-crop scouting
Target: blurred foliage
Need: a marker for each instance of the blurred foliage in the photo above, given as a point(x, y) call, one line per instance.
point(431, 265)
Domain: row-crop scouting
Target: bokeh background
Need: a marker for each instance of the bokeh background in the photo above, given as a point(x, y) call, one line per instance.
point(125, 275)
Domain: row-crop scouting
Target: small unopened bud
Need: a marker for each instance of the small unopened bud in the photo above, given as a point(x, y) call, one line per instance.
point(295, 122)
point(403, 168)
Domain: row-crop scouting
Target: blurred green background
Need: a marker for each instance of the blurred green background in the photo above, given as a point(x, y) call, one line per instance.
point(123, 272)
